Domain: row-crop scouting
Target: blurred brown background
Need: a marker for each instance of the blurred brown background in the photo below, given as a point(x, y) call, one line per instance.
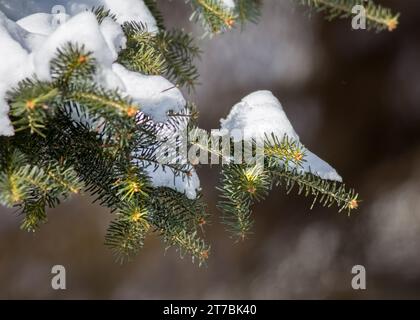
point(354, 99)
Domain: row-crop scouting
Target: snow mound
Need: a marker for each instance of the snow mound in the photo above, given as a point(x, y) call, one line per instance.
point(82, 29)
point(260, 114)
point(230, 4)
point(188, 185)
point(14, 65)
point(155, 95)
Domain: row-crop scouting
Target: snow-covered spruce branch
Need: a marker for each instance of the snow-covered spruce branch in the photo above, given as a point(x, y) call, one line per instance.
point(216, 15)
point(85, 108)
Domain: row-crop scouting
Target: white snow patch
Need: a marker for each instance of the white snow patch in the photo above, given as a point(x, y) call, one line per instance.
point(189, 185)
point(230, 4)
point(109, 79)
point(82, 29)
point(261, 113)
point(155, 95)
point(114, 36)
point(40, 23)
point(14, 66)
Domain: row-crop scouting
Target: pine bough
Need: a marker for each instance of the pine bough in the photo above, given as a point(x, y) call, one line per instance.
point(74, 135)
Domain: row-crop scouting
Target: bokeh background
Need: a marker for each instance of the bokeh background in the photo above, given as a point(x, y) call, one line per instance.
point(354, 99)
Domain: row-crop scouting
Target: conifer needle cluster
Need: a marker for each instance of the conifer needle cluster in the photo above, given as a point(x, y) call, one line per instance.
point(74, 136)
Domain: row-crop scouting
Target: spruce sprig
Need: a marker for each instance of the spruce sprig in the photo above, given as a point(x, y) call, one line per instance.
point(244, 184)
point(170, 53)
point(75, 136)
point(248, 10)
point(213, 14)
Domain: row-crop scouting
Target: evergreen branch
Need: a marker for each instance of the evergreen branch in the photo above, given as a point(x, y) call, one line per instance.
point(214, 16)
point(153, 7)
point(377, 17)
point(273, 149)
point(126, 234)
point(22, 182)
point(174, 208)
point(104, 102)
point(169, 53)
point(72, 70)
point(72, 64)
point(101, 14)
point(93, 138)
point(131, 183)
point(179, 51)
point(108, 176)
point(52, 182)
point(82, 149)
point(105, 179)
point(241, 185)
point(248, 10)
point(123, 193)
point(31, 103)
point(187, 243)
point(158, 145)
point(108, 112)
point(286, 150)
point(170, 213)
point(198, 139)
point(148, 158)
point(324, 192)
point(141, 54)
point(13, 189)
point(177, 218)
point(34, 214)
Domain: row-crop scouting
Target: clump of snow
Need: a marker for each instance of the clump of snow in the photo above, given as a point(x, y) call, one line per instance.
point(257, 114)
point(155, 95)
point(260, 114)
point(82, 29)
point(230, 4)
point(14, 66)
point(114, 36)
point(40, 23)
point(164, 177)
